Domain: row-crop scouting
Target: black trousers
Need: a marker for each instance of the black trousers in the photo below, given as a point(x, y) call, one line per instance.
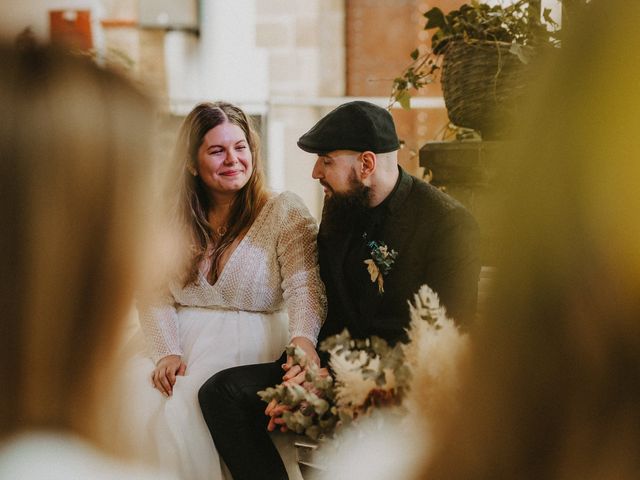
point(235, 416)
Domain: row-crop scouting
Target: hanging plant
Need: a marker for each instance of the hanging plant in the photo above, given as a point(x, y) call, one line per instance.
point(518, 26)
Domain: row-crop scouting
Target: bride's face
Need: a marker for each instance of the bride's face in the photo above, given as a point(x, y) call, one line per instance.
point(224, 159)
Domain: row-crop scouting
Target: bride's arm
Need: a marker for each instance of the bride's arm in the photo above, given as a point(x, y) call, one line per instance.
point(303, 290)
point(159, 323)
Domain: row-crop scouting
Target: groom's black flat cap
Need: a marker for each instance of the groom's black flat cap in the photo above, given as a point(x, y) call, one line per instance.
point(357, 126)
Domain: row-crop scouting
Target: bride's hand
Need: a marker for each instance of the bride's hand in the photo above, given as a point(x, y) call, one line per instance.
point(164, 375)
point(296, 373)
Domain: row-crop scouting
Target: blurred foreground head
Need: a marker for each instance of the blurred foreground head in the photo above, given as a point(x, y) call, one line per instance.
point(74, 178)
point(553, 387)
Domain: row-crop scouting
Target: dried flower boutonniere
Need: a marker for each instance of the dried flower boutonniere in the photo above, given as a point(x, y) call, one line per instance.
point(380, 263)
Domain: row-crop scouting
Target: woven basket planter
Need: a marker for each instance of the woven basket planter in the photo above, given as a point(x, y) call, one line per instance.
point(483, 85)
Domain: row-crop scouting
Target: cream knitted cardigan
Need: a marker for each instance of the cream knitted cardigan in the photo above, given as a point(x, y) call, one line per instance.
point(274, 265)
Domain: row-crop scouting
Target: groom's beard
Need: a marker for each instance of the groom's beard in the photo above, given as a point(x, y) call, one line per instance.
point(341, 210)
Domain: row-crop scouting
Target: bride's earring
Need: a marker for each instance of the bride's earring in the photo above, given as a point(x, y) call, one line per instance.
point(192, 170)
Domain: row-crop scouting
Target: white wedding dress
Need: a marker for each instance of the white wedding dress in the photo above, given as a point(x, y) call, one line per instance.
point(268, 292)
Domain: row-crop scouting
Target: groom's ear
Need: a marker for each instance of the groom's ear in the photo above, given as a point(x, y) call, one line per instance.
point(368, 163)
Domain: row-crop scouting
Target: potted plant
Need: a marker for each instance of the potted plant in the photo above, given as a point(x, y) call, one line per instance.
point(481, 53)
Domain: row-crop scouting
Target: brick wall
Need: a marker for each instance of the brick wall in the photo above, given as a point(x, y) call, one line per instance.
point(380, 36)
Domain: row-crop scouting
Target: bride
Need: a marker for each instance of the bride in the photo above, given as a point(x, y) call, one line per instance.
point(251, 255)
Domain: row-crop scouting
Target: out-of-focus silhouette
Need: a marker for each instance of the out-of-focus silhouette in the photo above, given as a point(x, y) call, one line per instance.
point(75, 170)
point(553, 385)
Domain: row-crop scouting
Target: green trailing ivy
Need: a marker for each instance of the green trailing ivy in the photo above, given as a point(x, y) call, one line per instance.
point(518, 24)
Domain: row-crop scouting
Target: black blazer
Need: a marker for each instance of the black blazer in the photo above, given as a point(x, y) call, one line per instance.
point(437, 241)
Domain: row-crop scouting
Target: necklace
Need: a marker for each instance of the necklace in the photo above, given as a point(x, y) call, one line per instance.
point(220, 220)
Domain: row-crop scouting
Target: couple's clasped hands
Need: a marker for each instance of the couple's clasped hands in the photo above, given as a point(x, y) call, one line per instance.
point(293, 374)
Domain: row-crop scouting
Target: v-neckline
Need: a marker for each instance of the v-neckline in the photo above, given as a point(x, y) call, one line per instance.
point(242, 241)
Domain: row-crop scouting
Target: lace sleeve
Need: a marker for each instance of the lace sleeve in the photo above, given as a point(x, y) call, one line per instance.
point(304, 292)
point(159, 323)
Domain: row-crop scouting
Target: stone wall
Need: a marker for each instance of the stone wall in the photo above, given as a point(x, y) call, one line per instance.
point(305, 42)
point(317, 51)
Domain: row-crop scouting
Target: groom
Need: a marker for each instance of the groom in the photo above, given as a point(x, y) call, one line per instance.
point(383, 234)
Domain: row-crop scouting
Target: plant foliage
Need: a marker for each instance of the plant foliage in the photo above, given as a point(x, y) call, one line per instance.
point(369, 374)
point(519, 25)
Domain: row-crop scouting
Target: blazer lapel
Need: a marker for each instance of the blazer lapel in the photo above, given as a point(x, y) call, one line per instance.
point(399, 222)
point(396, 230)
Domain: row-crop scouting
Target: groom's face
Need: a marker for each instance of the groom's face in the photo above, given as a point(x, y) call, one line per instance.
point(337, 172)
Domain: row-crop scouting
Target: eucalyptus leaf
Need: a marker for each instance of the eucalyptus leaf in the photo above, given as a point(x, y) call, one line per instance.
point(312, 432)
point(520, 51)
point(435, 18)
point(321, 406)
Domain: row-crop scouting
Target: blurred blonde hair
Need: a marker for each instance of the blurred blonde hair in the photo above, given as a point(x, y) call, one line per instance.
point(193, 199)
point(74, 178)
point(552, 389)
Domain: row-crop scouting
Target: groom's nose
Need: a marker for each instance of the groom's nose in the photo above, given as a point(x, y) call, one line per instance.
point(317, 170)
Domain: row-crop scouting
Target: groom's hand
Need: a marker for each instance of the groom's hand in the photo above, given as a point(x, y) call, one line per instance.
point(296, 373)
point(164, 375)
point(293, 374)
point(274, 411)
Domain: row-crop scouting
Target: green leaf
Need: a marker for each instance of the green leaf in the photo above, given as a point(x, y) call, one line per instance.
point(321, 406)
point(313, 432)
point(435, 19)
point(404, 99)
point(546, 14)
point(415, 54)
point(521, 51)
